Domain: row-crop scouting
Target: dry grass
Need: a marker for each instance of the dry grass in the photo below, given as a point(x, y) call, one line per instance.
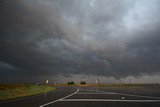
point(11, 91)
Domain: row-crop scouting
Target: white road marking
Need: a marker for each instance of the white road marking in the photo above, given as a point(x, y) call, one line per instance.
point(139, 96)
point(109, 100)
point(91, 90)
point(123, 94)
point(59, 99)
point(96, 93)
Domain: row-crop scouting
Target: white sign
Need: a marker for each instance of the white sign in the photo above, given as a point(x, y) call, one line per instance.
point(46, 81)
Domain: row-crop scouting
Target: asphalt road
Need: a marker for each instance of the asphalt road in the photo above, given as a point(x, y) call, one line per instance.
point(37, 100)
point(86, 97)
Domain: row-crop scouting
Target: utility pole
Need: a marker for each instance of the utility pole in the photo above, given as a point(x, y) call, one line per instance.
point(98, 80)
point(130, 82)
point(46, 88)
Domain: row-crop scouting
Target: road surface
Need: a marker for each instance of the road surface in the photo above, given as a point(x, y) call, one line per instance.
point(85, 97)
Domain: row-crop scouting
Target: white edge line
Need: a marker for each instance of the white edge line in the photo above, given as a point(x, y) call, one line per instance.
point(59, 99)
point(110, 100)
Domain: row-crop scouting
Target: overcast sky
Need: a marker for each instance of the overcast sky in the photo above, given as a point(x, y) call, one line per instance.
point(63, 39)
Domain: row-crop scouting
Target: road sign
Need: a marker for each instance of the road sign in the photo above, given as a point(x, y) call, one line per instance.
point(46, 81)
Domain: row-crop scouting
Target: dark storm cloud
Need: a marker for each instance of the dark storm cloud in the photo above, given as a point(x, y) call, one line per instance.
point(48, 37)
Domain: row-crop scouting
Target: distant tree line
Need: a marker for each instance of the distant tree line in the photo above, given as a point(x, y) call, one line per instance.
point(72, 83)
point(83, 83)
